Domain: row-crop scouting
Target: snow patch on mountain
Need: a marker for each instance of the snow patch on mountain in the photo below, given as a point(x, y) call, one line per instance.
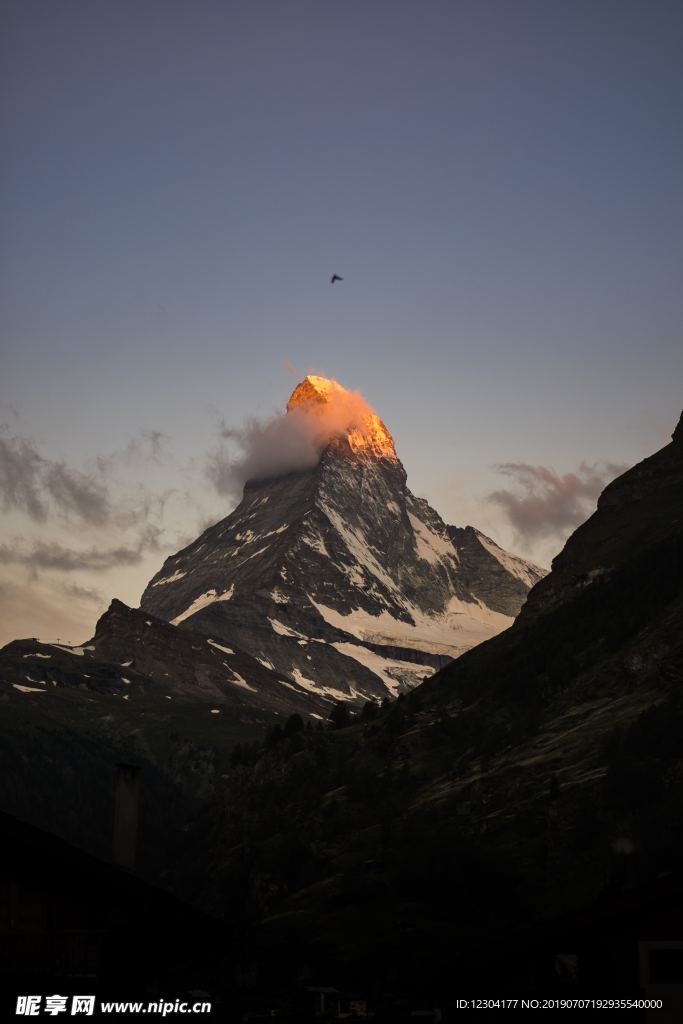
point(457, 629)
point(390, 670)
point(171, 579)
point(431, 546)
point(220, 647)
point(315, 542)
point(203, 601)
point(239, 680)
point(283, 630)
point(328, 692)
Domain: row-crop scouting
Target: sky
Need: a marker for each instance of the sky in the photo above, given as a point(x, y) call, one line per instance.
point(500, 186)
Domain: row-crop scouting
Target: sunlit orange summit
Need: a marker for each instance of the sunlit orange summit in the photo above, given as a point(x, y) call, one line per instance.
point(346, 412)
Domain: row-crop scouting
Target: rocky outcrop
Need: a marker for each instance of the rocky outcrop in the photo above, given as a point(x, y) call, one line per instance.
point(638, 511)
point(138, 658)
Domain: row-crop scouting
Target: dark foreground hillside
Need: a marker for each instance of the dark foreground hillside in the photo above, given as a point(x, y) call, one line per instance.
point(537, 778)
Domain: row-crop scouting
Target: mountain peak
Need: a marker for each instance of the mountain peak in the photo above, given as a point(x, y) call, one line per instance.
point(337, 578)
point(313, 389)
point(345, 414)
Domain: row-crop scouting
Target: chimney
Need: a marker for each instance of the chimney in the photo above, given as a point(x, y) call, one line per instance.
point(126, 815)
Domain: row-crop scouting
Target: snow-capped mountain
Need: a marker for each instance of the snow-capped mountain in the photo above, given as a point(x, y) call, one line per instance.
point(337, 577)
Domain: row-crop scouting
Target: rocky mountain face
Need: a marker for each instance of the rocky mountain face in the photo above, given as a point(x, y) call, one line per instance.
point(535, 779)
point(134, 655)
point(337, 578)
point(494, 577)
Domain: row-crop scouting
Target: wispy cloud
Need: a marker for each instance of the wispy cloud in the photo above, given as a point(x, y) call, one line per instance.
point(79, 524)
point(21, 478)
point(544, 503)
point(146, 446)
point(82, 593)
point(77, 493)
point(38, 486)
point(57, 557)
point(285, 443)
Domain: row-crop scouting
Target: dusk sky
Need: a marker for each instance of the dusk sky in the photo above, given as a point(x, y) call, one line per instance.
point(499, 184)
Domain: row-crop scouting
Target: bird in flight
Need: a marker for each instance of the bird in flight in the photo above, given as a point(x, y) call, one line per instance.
point(336, 277)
